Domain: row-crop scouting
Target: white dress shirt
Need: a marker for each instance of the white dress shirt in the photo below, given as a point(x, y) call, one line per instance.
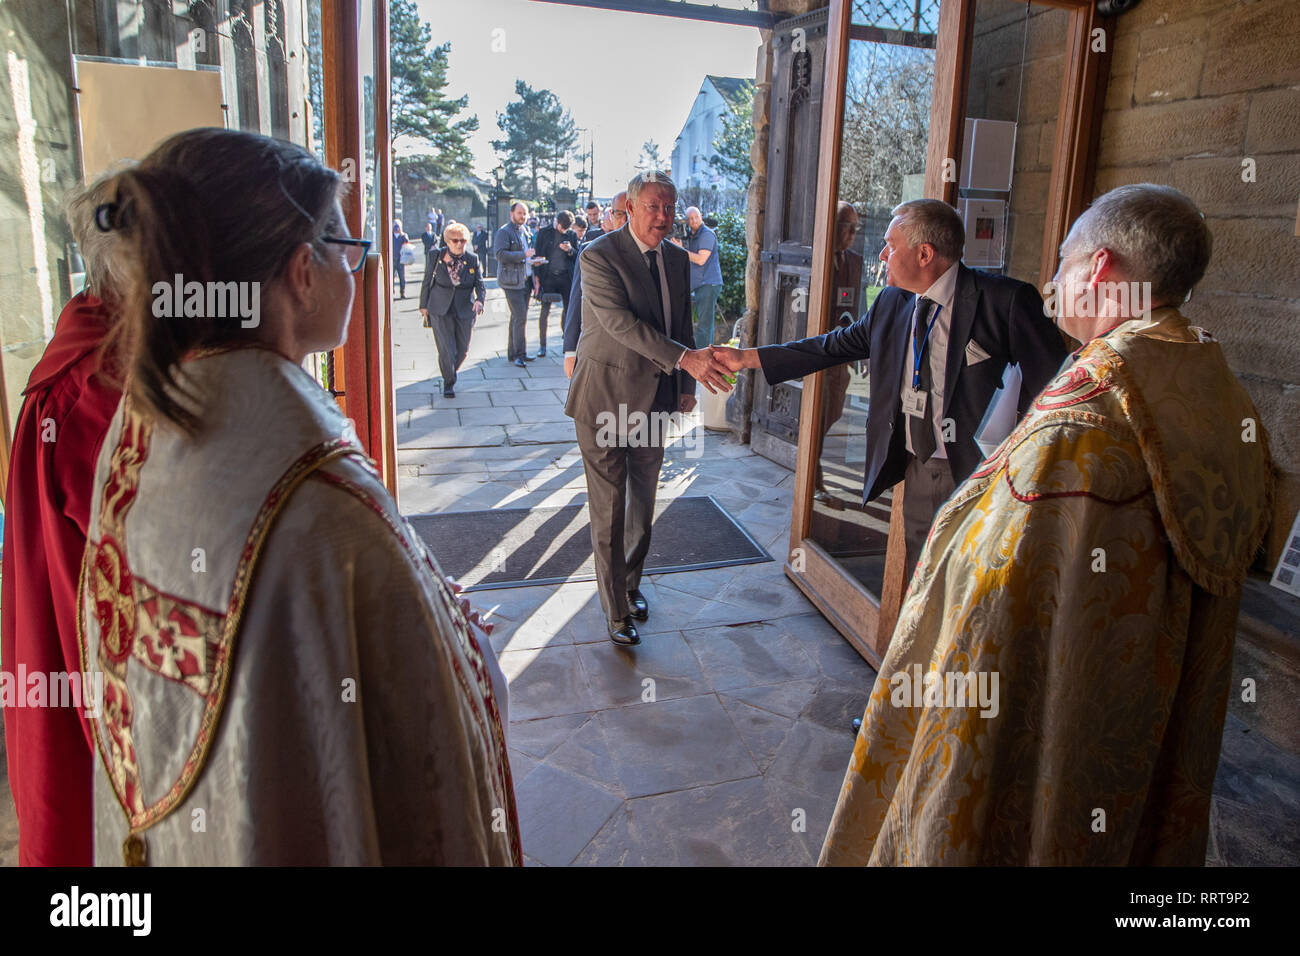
point(944, 293)
point(664, 298)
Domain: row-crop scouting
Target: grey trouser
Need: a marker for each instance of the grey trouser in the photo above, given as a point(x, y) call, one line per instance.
point(621, 485)
point(517, 299)
point(925, 488)
point(451, 334)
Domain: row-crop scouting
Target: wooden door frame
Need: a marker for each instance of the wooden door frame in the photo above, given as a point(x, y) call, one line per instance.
point(363, 364)
point(868, 623)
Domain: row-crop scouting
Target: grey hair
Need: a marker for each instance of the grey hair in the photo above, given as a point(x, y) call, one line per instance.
point(932, 221)
point(101, 251)
point(650, 177)
point(1158, 233)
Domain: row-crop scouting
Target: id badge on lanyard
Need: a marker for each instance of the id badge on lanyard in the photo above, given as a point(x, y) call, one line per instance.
point(916, 398)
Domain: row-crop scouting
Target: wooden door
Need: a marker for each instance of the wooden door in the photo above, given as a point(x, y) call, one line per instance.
point(798, 78)
point(1062, 115)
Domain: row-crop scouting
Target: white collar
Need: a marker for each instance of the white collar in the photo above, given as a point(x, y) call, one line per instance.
point(944, 289)
point(639, 244)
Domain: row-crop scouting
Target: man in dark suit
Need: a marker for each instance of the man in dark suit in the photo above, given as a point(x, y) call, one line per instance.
point(938, 340)
point(636, 366)
point(595, 221)
point(513, 247)
point(558, 245)
point(451, 297)
point(615, 217)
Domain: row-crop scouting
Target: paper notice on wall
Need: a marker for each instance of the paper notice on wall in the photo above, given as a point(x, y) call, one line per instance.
point(126, 109)
point(1287, 574)
point(986, 232)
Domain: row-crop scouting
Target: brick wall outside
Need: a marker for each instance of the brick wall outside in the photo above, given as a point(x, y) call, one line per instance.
point(1196, 88)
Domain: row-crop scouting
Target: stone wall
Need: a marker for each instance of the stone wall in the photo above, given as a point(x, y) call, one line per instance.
point(1204, 95)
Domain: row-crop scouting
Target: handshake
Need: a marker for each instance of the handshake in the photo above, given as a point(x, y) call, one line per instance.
point(714, 366)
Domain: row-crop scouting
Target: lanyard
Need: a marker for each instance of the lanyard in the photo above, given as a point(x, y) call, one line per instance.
point(916, 367)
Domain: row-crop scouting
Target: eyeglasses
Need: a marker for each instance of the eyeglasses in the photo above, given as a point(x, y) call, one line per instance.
point(450, 239)
point(655, 209)
point(355, 250)
point(618, 212)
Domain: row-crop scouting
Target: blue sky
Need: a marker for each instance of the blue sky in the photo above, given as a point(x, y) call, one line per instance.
point(628, 77)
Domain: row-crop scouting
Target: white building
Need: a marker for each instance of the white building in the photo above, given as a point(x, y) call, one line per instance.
point(694, 145)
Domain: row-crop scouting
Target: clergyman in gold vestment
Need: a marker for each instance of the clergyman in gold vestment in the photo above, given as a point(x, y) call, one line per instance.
point(1094, 564)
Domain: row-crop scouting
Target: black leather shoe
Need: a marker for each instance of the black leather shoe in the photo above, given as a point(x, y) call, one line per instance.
point(857, 725)
point(623, 632)
point(529, 358)
point(637, 602)
point(520, 363)
point(448, 392)
point(541, 353)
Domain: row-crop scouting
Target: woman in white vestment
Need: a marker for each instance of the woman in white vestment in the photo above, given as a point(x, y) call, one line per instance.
point(287, 677)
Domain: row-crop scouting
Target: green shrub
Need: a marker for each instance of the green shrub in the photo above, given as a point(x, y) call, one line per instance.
point(732, 253)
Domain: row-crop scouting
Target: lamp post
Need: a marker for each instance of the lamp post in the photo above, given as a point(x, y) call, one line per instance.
point(490, 267)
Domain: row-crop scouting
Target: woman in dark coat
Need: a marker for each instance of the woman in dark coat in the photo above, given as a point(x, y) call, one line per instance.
point(451, 297)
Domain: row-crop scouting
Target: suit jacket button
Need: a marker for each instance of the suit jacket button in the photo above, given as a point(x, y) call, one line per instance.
point(891, 425)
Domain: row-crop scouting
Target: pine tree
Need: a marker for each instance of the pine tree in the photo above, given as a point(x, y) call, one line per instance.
point(539, 138)
point(420, 108)
point(651, 158)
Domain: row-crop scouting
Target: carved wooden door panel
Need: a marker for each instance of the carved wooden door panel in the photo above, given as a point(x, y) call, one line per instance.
point(798, 76)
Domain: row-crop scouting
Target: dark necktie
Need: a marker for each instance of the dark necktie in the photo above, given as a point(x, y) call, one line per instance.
point(921, 428)
point(653, 257)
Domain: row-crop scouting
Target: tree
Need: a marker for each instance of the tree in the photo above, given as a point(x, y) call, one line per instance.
point(734, 140)
point(420, 109)
point(886, 123)
point(651, 158)
point(539, 137)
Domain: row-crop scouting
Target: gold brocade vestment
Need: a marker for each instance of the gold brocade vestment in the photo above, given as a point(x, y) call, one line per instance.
point(1094, 563)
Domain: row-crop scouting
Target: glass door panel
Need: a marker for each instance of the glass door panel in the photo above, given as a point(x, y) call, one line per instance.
point(886, 128)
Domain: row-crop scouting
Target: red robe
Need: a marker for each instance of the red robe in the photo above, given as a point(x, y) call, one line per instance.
point(47, 511)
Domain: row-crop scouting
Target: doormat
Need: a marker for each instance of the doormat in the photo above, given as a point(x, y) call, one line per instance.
point(522, 547)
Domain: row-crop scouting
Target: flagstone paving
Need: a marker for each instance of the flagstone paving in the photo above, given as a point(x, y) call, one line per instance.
point(723, 737)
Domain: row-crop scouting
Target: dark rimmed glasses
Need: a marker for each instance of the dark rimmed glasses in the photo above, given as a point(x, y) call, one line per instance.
point(355, 250)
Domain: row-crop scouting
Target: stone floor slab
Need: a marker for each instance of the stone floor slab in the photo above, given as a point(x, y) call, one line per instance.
point(538, 738)
point(559, 813)
point(813, 758)
point(546, 682)
point(618, 676)
point(674, 745)
point(750, 654)
point(488, 415)
point(762, 731)
point(738, 823)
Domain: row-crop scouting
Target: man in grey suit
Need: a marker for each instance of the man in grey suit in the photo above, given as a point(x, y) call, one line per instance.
point(636, 366)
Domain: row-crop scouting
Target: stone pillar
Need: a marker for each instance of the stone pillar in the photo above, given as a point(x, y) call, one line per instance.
point(742, 398)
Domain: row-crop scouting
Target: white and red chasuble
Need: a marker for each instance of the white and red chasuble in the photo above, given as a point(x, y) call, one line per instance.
point(288, 679)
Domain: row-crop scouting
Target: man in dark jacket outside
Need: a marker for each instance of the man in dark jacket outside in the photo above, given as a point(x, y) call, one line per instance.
point(614, 217)
point(514, 251)
point(558, 245)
